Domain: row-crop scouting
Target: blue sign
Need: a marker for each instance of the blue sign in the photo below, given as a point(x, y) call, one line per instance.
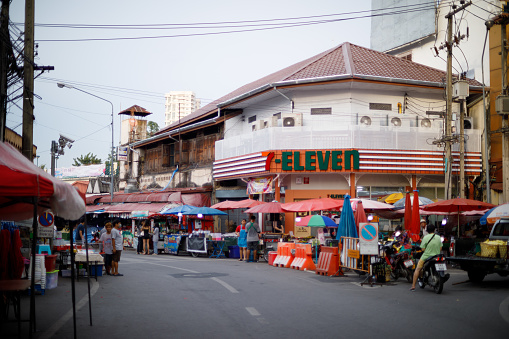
point(368, 238)
point(46, 219)
point(369, 232)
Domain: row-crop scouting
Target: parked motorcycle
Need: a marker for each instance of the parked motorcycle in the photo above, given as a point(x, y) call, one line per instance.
point(434, 273)
point(401, 263)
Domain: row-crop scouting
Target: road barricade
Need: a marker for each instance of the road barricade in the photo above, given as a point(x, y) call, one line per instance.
point(279, 256)
point(328, 261)
point(303, 258)
point(287, 256)
point(351, 257)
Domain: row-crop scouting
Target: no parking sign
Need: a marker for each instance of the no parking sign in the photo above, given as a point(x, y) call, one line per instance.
point(46, 221)
point(368, 238)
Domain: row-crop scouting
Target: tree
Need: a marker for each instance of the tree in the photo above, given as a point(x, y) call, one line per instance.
point(152, 127)
point(88, 159)
point(43, 167)
point(108, 162)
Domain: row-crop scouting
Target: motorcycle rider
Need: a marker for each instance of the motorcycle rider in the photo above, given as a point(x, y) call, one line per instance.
point(432, 245)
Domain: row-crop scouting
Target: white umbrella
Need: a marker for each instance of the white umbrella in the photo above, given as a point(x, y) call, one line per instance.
point(500, 211)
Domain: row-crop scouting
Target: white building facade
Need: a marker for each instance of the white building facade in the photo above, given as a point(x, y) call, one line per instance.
point(178, 105)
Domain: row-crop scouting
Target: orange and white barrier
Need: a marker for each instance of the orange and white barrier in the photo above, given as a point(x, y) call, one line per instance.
point(328, 262)
point(303, 258)
point(287, 256)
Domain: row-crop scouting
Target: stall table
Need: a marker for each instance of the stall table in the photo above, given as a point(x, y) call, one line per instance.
point(92, 258)
point(12, 290)
point(217, 248)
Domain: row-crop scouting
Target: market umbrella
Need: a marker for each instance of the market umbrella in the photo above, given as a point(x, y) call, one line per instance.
point(347, 226)
point(204, 211)
point(320, 204)
point(177, 210)
point(316, 220)
point(423, 201)
point(359, 214)
point(370, 205)
point(415, 224)
point(458, 205)
point(494, 214)
point(391, 198)
point(247, 203)
point(408, 211)
point(269, 207)
point(224, 205)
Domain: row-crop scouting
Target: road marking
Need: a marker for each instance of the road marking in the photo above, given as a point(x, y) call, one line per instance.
point(177, 268)
point(504, 309)
point(253, 311)
point(226, 285)
point(50, 333)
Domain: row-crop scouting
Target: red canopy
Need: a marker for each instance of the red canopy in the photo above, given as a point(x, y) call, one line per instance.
point(270, 207)
point(21, 180)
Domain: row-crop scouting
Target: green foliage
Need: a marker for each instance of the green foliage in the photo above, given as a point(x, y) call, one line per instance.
point(43, 166)
point(88, 159)
point(152, 127)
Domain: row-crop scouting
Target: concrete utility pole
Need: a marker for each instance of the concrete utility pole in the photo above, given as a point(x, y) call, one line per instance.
point(448, 119)
point(28, 82)
point(463, 109)
point(505, 135)
point(4, 65)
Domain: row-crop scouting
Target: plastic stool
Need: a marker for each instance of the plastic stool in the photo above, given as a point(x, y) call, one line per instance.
point(43, 249)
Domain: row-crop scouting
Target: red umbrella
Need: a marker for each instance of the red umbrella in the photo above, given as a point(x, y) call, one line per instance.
point(247, 203)
point(415, 224)
point(408, 211)
point(321, 204)
point(458, 205)
point(269, 207)
point(370, 205)
point(359, 214)
point(224, 205)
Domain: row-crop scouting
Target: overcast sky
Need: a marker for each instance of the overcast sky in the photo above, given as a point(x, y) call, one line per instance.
point(140, 72)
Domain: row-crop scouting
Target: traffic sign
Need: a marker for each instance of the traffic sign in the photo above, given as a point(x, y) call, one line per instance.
point(368, 238)
point(46, 221)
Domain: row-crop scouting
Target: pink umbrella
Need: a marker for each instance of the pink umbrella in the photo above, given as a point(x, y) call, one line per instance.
point(269, 207)
point(408, 211)
point(224, 205)
point(359, 214)
point(414, 224)
point(370, 205)
point(321, 204)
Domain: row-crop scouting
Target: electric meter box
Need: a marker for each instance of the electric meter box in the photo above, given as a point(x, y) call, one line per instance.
point(460, 90)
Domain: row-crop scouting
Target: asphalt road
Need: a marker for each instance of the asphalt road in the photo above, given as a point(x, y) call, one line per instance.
point(169, 296)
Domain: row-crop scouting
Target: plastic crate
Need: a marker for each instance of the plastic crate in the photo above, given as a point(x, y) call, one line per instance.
point(38, 290)
point(94, 268)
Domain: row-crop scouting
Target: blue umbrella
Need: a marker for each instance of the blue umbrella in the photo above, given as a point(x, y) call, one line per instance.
point(178, 209)
point(484, 218)
point(204, 211)
point(347, 227)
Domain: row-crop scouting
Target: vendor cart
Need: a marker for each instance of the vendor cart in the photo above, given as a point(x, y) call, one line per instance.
point(269, 242)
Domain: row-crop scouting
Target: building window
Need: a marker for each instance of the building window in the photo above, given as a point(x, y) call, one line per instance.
point(380, 107)
point(251, 119)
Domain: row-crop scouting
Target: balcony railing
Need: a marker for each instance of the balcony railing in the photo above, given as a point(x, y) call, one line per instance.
point(358, 137)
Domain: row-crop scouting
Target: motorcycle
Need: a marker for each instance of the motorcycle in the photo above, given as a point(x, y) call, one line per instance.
point(401, 263)
point(434, 273)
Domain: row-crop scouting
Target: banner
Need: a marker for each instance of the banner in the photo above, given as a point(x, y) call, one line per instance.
point(171, 243)
point(197, 244)
point(80, 171)
point(122, 153)
point(260, 185)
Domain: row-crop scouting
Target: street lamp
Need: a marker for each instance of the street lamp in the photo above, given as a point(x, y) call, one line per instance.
point(62, 85)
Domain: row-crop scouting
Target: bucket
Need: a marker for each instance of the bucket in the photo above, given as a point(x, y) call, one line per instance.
point(234, 252)
point(50, 262)
point(51, 280)
point(272, 257)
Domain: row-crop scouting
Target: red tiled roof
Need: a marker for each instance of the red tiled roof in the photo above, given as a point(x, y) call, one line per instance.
point(136, 110)
point(347, 59)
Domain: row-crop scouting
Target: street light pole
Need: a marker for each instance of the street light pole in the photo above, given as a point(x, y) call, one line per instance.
point(61, 85)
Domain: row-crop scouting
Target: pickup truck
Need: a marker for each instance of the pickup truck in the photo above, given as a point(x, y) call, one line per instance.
point(478, 267)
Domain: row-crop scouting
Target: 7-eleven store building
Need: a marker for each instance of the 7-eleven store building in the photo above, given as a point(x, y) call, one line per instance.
point(306, 174)
point(347, 121)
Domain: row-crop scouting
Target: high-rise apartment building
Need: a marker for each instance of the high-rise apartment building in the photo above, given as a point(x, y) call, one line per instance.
point(178, 105)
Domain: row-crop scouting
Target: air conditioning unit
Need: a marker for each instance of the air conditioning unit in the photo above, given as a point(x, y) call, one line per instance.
point(468, 123)
point(273, 122)
point(262, 124)
point(425, 123)
point(365, 121)
point(398, 122)
point(502, 104)
point(292, 120)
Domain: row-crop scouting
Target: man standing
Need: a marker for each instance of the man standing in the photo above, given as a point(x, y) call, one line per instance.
point(252, 239)
point(118, 245)
point(80, 232)
point(107, 247)
point(155, 238)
